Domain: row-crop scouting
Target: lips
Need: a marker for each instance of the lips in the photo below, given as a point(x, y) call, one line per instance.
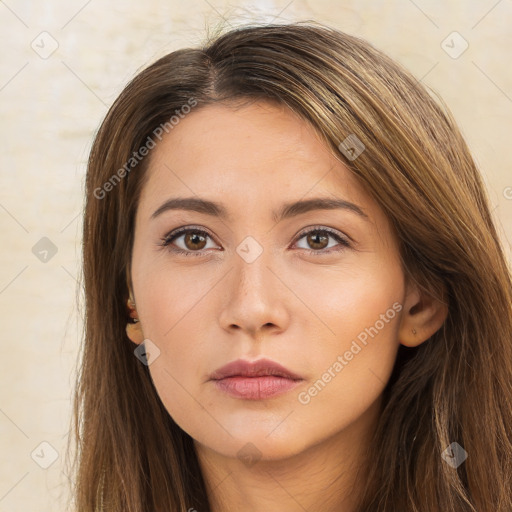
point(255, 380)
point(260, 368)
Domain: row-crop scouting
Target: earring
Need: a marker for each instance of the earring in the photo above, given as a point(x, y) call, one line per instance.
point(133, 328)
point(133, 311)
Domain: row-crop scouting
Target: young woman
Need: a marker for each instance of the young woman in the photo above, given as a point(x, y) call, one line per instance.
point(296, 298)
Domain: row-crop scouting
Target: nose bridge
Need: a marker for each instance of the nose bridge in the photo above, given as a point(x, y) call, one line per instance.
point(252, 261)
point(255, 301)
point(253, 275)
point(253, 278)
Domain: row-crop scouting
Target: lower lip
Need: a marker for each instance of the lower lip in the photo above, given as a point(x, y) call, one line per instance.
point(255, 388)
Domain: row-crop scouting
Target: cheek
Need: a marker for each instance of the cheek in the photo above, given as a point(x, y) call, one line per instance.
point(173, 313)
point(169, 304)
point(350, 376)
point(171, 296)
point(359, 313)
point(174, 319)
point(343, 302)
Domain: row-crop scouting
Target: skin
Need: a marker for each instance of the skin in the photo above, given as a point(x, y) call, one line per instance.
point(299, 309)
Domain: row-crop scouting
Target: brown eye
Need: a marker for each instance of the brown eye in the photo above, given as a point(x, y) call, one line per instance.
point(187, 241)
point(317, 241)
point(194, 241)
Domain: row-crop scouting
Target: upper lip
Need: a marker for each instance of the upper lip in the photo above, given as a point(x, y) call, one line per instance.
point(258, 368)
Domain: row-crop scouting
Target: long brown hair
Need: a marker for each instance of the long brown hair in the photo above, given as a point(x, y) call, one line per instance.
point(455, 387)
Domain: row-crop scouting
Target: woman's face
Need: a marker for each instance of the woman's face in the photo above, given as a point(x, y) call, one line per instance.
point(266, 273)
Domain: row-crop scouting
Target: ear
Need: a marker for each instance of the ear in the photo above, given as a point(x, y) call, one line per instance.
point(423, 316)
point(133, 330)
point(128, 278)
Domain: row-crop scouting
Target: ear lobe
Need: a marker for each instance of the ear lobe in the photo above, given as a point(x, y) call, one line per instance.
point(423, 316)
point(134, 332)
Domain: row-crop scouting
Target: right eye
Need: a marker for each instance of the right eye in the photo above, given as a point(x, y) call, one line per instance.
point(193, 241)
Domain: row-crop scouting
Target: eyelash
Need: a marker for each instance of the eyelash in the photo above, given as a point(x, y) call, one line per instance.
point(173, 235)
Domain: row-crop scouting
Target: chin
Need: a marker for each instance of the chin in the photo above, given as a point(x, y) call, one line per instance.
point(255, 444)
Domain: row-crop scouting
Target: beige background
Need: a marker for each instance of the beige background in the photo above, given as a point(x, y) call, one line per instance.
point(50, 106)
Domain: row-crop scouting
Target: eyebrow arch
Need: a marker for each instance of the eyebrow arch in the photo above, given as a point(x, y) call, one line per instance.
point(287, 211)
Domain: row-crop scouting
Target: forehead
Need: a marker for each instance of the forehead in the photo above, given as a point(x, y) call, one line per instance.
point(256, 153)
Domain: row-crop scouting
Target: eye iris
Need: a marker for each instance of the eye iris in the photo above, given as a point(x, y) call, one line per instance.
point(195, 238)
point(313, 240)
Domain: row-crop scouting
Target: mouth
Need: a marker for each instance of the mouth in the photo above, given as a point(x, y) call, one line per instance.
point(256, 380)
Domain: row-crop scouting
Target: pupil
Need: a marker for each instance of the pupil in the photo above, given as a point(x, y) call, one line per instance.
point(196, 239)
point(318, 236)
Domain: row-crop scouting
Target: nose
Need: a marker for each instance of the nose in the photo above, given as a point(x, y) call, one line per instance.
point(255, 299)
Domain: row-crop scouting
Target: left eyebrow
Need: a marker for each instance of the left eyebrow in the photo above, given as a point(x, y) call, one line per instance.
point(287, 211)
point(318, 203)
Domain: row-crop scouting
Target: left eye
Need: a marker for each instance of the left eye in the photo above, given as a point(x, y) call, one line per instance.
point(319, 239)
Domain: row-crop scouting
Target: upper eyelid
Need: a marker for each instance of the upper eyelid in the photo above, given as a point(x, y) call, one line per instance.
point(331, 231)
point(184, 230)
